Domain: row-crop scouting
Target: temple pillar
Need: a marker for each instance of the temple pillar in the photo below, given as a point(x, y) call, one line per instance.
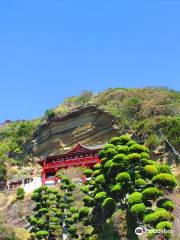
point(83, 178)
point(43, 178)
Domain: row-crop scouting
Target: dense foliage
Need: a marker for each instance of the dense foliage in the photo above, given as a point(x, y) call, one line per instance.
point(127, 179)
point(143, 110)
point(20, 193)
point(13, 137)
point(54, 215)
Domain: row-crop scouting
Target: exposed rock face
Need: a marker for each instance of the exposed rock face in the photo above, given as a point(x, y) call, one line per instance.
point(88, 125)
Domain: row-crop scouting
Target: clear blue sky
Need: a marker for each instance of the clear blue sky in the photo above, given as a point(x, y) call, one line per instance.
point(53, 49)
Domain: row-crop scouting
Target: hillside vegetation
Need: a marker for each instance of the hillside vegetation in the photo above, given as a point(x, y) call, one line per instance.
point(141, 112)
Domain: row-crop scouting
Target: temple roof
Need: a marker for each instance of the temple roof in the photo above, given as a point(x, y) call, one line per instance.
point(80, 148)
point(77, 150)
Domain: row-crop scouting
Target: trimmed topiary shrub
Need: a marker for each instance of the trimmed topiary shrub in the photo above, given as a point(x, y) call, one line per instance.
point(100, 179)
point(134, 198)
point(122, 149)
point(20, 193)
point(124, 139)
point(134, 158)
point(84, 212)
point(164, 180)
point(88, 172)
point(159, 215)
point(115, 141)
point(99, 197)
point(116, 188)
point(164, 169)
point(110, 153)
point(41, 234)
point(137, 148)
point(109, 207)
point(144, 155)
point(85, 189)
point(138, 209)
point(140, 182)
point(88, 201)
point(123, 178)
point(150, 194)
point(150, 171)
point(164, 225)
point(166, 203)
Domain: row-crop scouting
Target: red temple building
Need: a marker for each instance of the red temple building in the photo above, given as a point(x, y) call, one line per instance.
point(78, 156)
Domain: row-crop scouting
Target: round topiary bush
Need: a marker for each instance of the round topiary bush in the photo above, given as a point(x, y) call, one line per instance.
point(150, 194)
point(140, 182)
point(159, 215)
point(110, 153)
point(122, 149)
point(109, 206)
point(166, 204)
point(33, 220)
point(116, 188)
point(131, 142)
point(124, 139)
point(99, 197)
point(137, 148)
point(119, 158)
point(100, 179)
point(20, 193)
point(150, 171)
point(107, 146)
point(97, 166)
point(41, 234)
point(134, 158)
point(144, 155)
point(115, 141)
point(134, 198)
point(123, 178)
point(164, 169)
point(164, 180)
point(108, 164)
point(43, 210)
point(40, 222)
point(88, 201)
point(85, 189)
point(164, 225)
point(102, 154)
point(88, 172)
point(72, 229)
point(35, 196)
point(138, 209)
point(84, 212)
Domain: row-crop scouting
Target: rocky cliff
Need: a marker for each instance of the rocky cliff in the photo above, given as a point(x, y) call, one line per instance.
point(89, 125)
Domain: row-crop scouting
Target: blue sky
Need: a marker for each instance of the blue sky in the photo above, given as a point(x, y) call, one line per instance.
point(51, 49)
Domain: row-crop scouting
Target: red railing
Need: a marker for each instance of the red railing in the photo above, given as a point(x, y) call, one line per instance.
point(83, 161)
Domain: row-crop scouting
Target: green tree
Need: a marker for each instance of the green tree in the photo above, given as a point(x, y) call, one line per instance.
point(20, 193)
point(49, 114)
point(54, 214)
point(127, 179)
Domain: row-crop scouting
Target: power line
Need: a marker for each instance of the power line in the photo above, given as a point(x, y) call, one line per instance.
point(173, 149)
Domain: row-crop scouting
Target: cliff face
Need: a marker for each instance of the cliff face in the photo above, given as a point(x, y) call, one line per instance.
point(88, 125)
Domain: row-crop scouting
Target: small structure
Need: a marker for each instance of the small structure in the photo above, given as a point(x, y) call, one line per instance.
point(78, 156)
point(14, 183)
